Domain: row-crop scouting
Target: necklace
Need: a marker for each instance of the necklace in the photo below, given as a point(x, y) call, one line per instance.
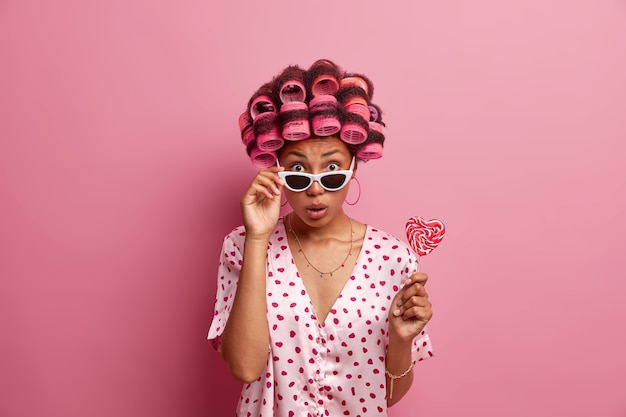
point(307, 259)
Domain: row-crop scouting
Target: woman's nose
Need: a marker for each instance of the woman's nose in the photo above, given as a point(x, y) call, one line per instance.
point(315, 188)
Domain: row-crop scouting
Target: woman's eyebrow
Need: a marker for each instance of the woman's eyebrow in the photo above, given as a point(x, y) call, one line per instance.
point(330, 153)
point(298, 154)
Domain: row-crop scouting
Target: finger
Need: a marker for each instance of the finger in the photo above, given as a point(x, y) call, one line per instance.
point(409, 291)
point(418, 313)
point(396, 303)
point(415, 301)
point(272, 172)
point(256, 193)
point(268, 184)
point(418, 277)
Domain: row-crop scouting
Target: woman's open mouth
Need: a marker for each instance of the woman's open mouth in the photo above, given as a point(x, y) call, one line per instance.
point(316, 211)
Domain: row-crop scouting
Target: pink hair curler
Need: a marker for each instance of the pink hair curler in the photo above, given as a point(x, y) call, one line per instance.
point(324, 113)
point(292, 91)
point(325, 84)
point(356, 100)
point(247, 135)
point(323, 102)
point(360, 109)
point(244, 121)
point(353, 133)
point(267, 132)
point(355, 81)
point(376, 127)
point(354, 130)
point(262, 159)
point(374, 113)
point(261, 105)
point(370, 151)
point(295, 117)
point(245, 127)
point(325, 125)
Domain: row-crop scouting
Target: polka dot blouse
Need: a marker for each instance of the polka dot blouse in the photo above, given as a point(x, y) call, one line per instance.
point(334, 368)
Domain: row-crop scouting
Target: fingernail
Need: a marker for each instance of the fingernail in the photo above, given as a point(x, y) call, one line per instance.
point(396, 312)
point(399, 303)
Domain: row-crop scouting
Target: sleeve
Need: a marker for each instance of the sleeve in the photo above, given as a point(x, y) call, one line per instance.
point(422, 348)
point(228, 276)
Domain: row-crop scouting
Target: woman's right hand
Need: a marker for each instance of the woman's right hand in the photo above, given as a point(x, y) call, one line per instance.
point(260, 205)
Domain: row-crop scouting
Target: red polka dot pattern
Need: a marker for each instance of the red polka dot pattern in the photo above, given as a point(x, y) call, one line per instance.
point(335, 368)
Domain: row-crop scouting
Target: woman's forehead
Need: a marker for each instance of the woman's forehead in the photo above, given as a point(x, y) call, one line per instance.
point(316, 147)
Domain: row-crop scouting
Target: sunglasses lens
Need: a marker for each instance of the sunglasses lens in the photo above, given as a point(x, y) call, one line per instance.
point(297, 182)
point(334, 181)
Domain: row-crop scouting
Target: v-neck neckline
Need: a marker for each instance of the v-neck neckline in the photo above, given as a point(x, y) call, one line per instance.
point(299, 281)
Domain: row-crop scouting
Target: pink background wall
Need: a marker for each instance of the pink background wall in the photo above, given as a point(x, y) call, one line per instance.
point(121, 170)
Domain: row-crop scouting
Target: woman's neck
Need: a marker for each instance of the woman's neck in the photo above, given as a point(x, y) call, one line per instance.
point(335, 229)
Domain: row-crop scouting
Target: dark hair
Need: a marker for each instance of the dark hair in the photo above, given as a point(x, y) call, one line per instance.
point(333, 102)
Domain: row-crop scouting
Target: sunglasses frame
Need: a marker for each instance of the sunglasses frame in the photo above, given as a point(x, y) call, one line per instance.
point(317, 177)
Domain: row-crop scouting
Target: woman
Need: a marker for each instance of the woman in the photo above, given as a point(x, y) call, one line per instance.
point(317, 313)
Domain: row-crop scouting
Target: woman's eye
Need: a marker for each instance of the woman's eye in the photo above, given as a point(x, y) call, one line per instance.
point(333, 166)
point(297, 167)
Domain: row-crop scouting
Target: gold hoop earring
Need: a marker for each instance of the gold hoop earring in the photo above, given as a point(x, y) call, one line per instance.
point(358, 197)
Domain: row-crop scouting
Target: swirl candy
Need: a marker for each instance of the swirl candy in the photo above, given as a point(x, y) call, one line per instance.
point(424, 235)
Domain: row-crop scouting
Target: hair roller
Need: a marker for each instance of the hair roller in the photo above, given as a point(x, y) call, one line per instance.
point(247, 135)
point(290, 85)
point(369, 151)
point(294, 119)
point(322, 78)
point(359, 109)
point(354, 100)
point(260, 105)
point(351, 94)
point(267, 132)
point(354, 130)
point(373, 146)
point(245, 127)
point(359, 81)
point(322, 100)
point(245, 120)
point(375, 130)
point(261, 159)
point(376, 115)
point(325, 117)
point(326, 122)
point(263, 101)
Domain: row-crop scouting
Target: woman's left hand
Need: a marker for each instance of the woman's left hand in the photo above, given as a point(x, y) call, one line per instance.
point(410, 309)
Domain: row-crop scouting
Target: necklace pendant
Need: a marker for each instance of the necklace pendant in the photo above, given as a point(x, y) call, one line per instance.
point(308, 264)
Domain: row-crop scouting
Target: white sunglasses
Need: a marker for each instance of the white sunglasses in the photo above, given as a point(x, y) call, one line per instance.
point(330, 181)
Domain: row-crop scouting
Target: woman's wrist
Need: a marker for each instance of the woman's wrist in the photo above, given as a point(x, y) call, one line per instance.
point(254, 240)
point(399, 348)
point(398, 366)
point(400, 341)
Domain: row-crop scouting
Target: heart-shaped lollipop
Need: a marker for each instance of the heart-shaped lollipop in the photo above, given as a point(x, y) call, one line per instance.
point(424, 235)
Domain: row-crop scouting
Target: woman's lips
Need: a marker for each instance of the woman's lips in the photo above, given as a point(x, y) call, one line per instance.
point(316, 211)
